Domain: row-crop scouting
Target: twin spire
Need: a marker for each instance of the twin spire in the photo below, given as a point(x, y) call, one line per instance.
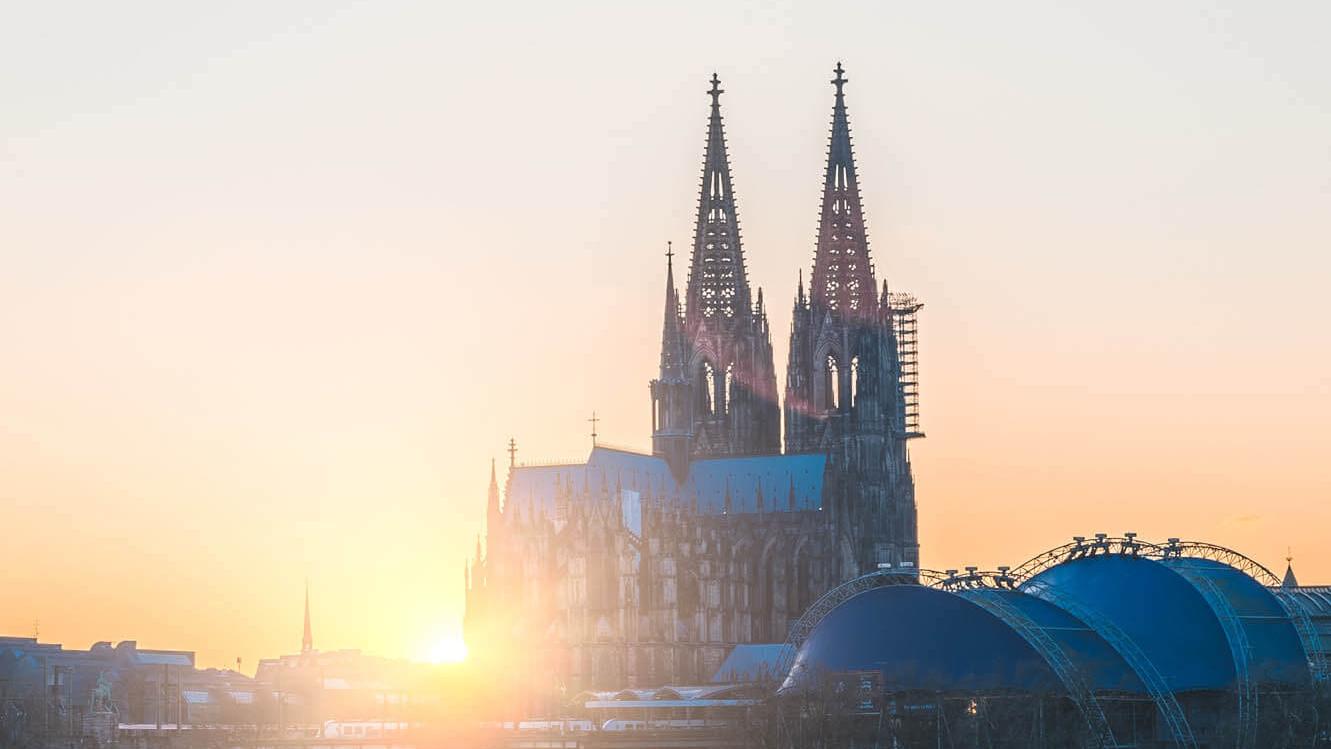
point(718, 285)
point(843, 273)
point(843, 276)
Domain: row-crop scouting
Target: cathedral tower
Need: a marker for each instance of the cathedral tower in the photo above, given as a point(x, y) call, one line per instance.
point(843, 387)
point(718, 394)
point(672, 417)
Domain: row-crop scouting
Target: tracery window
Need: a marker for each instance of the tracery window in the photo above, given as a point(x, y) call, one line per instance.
point(832, 384)
point(854, 381)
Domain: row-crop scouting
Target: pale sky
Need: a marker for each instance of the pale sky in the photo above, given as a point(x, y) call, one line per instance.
point(277, 280)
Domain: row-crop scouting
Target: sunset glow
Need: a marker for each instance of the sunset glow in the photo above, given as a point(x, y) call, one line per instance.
point(447, 649)
point(280, 281)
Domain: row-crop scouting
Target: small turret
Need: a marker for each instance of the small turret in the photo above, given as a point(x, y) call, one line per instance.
point(493, 516)
point(1289, 581)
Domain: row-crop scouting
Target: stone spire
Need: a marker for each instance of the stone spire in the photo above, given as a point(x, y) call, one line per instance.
point(844, 396)
point(718, 287)
point(672, 337)
point(493, 519)
point(307, 641)
point(843, 276)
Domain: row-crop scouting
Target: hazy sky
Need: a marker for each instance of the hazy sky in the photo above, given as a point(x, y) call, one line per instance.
point(277, 280)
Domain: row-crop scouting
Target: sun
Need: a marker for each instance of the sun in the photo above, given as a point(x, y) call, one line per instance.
point(447, 649)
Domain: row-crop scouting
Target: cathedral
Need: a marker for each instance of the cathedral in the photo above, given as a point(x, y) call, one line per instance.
point(634, 569)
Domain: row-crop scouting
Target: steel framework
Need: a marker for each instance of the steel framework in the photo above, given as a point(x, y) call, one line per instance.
point(1165, 701)
point(1237, 637)
point(1175, 548)
point(980, 588)
point(991, 600)
point(1128, 545)
point(904, 308)
point(984, 588)
point(799, 631)
point(1308, 634)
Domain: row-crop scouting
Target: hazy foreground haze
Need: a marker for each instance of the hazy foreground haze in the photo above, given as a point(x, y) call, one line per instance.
point(277, 280)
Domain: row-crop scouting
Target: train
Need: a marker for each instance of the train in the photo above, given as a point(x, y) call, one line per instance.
point(363, 729)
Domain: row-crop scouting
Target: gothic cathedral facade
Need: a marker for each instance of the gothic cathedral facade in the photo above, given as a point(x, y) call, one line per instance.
point(644, 570)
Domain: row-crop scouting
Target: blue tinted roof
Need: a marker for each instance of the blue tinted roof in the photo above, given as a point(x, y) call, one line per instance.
point(532, 489)
point(1160, 611)
point(1097, 663)
point(1269, 640)
point(920, 638)
point(752, 662)
point(776, 475)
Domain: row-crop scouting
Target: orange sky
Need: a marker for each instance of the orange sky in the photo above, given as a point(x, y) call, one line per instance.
point(277, 284)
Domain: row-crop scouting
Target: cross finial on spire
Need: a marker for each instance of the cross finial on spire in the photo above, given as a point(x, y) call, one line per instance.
point(839, 81)
point(593, 420)
point(716, 91)
point(670, 253)
point(512, 452)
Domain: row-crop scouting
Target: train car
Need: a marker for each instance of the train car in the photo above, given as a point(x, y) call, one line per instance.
point(619, 725)
point(363, 729)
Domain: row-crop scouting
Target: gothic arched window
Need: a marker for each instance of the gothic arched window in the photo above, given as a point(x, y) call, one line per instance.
point(832, 384)
point(707, 389)
point(728, 391)
point(854, 382)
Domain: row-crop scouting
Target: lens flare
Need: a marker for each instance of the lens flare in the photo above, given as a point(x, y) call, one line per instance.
point(447, 649)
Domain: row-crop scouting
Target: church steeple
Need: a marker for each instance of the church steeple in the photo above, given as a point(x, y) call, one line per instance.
point(492, 512)
point(844, 396)
point(1289, 581)
point(307, 641)
point(672, 419)
point(718, 287)
point(716, 394)
point(843, 275)
point(672, 338)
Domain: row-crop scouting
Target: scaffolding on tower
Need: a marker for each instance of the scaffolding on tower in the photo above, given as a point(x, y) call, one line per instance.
point(904, 309)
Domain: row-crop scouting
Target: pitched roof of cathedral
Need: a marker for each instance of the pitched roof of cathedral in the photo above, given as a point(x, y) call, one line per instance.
point(532, 489)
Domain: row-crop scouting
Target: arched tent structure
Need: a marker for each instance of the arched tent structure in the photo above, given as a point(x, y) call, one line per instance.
point(1165, 642)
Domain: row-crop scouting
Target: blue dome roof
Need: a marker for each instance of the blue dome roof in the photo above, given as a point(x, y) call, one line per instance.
point(1268, 639)
point(1155, 607)
point(921, 639)
point(1188, 626)
point(1096, 661)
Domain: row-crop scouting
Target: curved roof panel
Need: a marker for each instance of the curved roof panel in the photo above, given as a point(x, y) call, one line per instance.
point(1161, 612)
point(1098, 664)
point(921, 638)
point(1268, 638)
